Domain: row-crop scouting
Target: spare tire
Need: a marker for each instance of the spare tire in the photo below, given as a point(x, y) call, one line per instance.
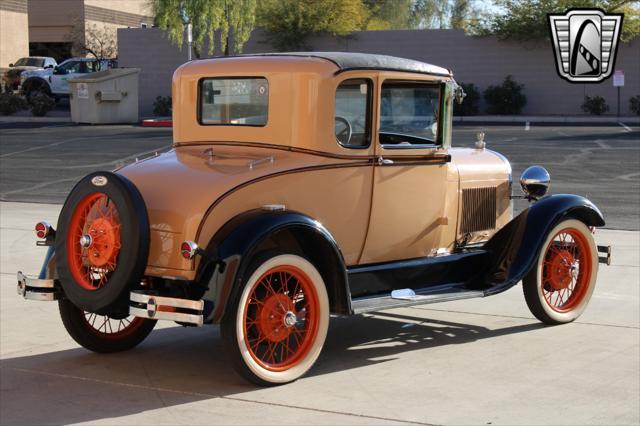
point(102, 243)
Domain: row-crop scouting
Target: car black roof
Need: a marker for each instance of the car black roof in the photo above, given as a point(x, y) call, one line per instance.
point(348, 61)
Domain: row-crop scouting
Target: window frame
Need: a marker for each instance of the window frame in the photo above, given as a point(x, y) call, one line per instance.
point(369, 113)
point(438, 138)
point(250, 77)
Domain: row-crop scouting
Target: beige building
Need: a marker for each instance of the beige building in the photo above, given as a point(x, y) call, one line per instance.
point(14, 31)
point(61, 28)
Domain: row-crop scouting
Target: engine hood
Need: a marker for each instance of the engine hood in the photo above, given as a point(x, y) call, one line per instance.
point(181, 187)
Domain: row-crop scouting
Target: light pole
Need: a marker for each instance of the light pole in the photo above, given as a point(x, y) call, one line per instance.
point(189, 40)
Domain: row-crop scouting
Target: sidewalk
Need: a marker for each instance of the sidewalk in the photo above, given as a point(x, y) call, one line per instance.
point(550, 119)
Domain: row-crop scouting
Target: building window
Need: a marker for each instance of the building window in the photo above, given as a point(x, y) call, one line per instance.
point(234, 101)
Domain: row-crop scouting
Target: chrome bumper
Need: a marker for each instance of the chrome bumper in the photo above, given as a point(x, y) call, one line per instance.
point(36, 289)
point(166, 308)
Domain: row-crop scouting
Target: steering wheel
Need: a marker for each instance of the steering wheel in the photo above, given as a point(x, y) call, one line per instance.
point(344, 135)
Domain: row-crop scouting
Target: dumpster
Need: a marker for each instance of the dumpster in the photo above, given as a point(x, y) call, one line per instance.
point(104, 97)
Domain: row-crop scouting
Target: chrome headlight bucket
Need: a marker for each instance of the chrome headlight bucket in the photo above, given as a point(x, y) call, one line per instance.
point(535, 182)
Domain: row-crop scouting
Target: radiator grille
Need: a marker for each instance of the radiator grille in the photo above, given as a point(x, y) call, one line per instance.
point(478, 209)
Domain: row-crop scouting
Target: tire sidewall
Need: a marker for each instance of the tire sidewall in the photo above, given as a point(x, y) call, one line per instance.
point(563, 317)
point(293, 373)
point(132, 257)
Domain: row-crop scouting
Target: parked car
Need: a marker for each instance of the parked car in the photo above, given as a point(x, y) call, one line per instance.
point(301, 186)
point(53, 81)
point(11, 77)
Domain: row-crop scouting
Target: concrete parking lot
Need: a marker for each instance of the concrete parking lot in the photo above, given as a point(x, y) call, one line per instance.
point(480, 361)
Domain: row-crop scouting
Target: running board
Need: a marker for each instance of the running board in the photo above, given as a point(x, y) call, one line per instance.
point(408, 297)
point(166, 308)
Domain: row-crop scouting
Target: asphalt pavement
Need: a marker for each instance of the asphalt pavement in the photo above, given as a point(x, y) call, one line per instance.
point(41, 163)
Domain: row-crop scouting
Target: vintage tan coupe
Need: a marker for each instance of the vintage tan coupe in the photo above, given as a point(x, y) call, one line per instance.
point(301, 186)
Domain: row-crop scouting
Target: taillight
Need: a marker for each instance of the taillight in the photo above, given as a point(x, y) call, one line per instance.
point(188, 249)
point(43, 229)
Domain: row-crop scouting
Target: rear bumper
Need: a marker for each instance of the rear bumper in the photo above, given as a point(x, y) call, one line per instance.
point(36, 289)
point(142, 305)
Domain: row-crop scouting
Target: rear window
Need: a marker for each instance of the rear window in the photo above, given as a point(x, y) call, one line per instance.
point(234, 101)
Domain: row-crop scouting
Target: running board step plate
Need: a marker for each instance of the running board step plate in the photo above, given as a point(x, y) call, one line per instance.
point(166, 308)
point(408, 297)
point(36, 289)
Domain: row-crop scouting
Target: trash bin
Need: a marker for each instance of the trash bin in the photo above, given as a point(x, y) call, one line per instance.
point(104, 97)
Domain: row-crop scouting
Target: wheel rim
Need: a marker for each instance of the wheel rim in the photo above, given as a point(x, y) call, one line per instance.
point(93, 241)
point(281, 318)
point(112, 328)
point(566, 270)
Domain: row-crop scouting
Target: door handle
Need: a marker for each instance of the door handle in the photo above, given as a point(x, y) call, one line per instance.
point(384, 161)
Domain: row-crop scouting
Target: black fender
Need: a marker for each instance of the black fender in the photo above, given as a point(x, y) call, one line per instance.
point(232, 248)
point(515, 248)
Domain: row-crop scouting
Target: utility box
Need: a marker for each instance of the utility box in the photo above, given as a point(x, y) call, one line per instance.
point(105, 97)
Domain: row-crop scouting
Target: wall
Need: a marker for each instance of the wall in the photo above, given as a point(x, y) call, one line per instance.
point(481, 61)
point(14, 34)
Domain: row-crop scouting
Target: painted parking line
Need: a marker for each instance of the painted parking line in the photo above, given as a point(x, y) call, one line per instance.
point(627, 128)
point(527, 127)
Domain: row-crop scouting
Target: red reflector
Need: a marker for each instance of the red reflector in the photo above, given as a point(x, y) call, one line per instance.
point(42, 229)
point(188, 249)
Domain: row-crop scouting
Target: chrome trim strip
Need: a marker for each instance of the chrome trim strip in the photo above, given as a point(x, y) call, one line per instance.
point(196, 305)
point(167, 316)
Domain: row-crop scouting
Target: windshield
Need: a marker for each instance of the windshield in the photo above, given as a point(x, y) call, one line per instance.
point(29, 62)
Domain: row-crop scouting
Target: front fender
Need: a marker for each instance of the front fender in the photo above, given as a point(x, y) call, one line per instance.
point(515, 248)
point(233, 246)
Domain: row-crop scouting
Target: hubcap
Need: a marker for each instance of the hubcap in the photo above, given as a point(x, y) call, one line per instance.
point(86, 241)
point(290, 319)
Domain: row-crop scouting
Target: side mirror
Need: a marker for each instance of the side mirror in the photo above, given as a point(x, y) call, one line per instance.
point(10, 65)
point(48, 66)
point(535, 182)
point(57, 70)
point(460, 94)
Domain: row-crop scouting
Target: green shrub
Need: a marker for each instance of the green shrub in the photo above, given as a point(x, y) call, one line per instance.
point(506, 99)
point(162, 106)
point(595, 105)
point(634, 104)
point(10, 103)
point(469, 105)
point(41, 104)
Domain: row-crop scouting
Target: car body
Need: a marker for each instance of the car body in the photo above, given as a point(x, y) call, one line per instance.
point(54, 81)
point(303, 185)
point(11, 77)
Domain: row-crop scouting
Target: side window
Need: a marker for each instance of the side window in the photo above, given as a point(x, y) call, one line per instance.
point(409, 113)
point(234, 101)
point(353, 113)
point(71, 67)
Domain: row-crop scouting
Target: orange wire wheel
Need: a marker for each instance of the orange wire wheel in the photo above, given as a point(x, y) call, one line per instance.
point(566, 271)
point(93, 241)
point(558, 288)
point(281, 317)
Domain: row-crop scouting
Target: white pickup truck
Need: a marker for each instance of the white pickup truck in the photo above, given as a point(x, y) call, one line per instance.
point(54, 81)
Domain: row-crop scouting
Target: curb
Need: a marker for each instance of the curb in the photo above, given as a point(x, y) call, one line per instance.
point(542, 119)
point(157, 122)
point(12, 119)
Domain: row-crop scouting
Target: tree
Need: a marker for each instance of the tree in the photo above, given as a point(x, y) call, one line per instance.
point(231, 20)
point(388, 14)
point(289, 23)
point(93, 39)
point(527, 19)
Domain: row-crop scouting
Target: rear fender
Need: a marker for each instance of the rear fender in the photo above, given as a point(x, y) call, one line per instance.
point(515, 248)
point(233, 247)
